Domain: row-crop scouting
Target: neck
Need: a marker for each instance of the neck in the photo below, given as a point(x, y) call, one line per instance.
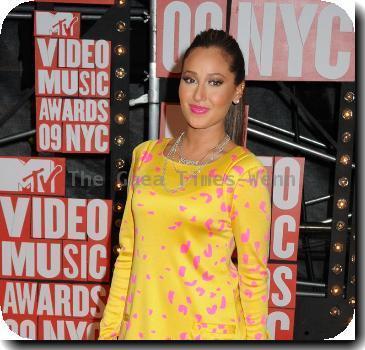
point(201, 139)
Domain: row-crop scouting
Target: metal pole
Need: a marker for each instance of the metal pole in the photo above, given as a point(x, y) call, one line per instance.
point(306, 114)
point(91, 10)
point(314, 227)
point(17, 137)
point(317, 227)
point(311, 284)
point(318, 200)
point(154, 83)
point(311, 294)
point(327, 221)
point(286, 132)
point(22, 15)
point(288, 144)
point(65, 8)
point(87, 12)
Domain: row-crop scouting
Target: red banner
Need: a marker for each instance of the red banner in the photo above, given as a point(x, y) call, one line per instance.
point(72, 85)
point(72, 67)
point(284, 40)
point(53, 311)
point(51, 238)
point(286, 206)
point(177, 24)
point(281, 323)
point(283, 279)
point(61, 239)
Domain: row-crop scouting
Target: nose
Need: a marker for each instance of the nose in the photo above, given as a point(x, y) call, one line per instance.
point(199, 93)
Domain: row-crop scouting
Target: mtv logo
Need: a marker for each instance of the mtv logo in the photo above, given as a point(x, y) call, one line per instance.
point(23, 175)
point(57, 24)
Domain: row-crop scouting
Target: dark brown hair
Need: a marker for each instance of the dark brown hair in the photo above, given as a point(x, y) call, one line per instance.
point(234, 121)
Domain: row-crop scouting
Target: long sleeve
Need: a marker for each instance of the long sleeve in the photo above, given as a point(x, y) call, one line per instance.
point(251, 218)
point(114, 309)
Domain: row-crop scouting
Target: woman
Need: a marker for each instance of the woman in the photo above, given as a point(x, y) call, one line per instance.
point(192, 201)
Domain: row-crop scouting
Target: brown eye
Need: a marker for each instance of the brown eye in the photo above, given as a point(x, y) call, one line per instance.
point(188, 80)
point(215, 82)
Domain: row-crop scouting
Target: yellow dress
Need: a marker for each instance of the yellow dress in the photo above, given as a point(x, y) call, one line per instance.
point(174, 278)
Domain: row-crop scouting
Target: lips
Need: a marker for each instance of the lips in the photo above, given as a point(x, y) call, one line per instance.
point(198, 109)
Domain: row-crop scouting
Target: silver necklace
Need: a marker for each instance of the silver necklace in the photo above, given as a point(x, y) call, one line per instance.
point(183, 160)
point(217, 149)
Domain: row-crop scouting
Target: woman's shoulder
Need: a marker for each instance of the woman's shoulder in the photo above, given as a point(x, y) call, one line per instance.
point(245, 160)
point(141, 146)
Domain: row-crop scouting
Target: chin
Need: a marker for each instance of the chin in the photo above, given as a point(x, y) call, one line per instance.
point(197, 122)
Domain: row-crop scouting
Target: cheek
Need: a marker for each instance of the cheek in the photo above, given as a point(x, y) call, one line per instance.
point(179, 91)
point(183, 93)
point(221, 99)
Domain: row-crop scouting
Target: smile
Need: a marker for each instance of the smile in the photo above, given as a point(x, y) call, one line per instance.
point(198, 109)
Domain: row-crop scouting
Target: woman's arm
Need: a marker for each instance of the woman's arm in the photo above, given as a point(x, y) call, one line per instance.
point(114, 309)
point(251, 218)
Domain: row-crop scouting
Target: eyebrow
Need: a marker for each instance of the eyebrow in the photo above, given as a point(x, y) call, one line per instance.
point(190, 71)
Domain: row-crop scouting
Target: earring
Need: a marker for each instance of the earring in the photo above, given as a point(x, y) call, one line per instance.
point(235, 102)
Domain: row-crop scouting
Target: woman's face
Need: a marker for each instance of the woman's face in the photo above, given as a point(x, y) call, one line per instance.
point(207, 88)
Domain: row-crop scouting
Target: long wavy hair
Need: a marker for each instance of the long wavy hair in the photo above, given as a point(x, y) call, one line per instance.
point(234, 123)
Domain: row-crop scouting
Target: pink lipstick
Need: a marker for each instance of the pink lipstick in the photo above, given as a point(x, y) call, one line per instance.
point(198, 109)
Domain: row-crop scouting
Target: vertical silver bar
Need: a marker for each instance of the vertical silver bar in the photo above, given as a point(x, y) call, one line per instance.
point(154, 83)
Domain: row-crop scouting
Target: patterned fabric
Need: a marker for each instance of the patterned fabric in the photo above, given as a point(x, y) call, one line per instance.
point(174, 277)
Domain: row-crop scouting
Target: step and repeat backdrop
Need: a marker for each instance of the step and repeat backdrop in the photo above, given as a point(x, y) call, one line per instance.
point(55, 251)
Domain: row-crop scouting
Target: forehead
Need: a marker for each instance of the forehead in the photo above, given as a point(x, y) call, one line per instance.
point(207, 60)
